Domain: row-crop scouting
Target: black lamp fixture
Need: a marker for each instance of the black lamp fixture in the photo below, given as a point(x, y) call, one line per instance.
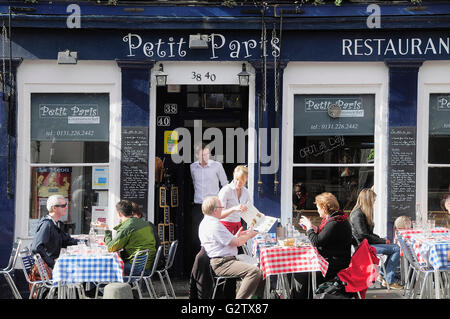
point(244, 76)
point(161, 77)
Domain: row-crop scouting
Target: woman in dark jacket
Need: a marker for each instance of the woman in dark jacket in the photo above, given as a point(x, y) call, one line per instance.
point(361, 220)
point(333, 240)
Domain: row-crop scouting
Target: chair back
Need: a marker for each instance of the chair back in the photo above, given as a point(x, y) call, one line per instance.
point(407, 251)
point(27, 262)
point(171, 256)
point(138, 266)
point(156, 261)
point(14, 254)
point(45, 277)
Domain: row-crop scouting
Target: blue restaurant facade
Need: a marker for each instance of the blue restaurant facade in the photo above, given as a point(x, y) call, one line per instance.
point(339, 98)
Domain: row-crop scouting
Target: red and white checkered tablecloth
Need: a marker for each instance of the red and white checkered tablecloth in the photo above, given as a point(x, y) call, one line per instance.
point(281, 260)
point(406, 233)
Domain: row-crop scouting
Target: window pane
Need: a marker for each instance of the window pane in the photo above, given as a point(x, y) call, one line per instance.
point(85, 190)
point(344, 182)
point(438, 186)
point(328, 115)
point(439, 129)
point(69, 127)
point(333, 149)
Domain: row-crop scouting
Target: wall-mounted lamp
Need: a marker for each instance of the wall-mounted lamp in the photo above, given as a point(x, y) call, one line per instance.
point(244, 76)
point(161, 77)
point(67, 57)
point(198, 41)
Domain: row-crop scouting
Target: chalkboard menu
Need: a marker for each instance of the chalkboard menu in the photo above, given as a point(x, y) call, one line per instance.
point(134, 165)
point(402, 172)
point(343, 114)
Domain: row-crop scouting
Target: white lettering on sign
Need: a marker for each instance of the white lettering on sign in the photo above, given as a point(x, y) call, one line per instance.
point(65, 110)
point(219, 46)
point(443, 103)
point(322, 104)
point(395, 47)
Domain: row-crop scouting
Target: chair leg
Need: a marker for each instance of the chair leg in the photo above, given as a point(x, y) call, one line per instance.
point(150, 288)
point(13, 286)
point(161, 277)
point(172, 291)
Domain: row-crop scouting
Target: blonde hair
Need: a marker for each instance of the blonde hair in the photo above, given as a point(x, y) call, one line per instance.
point(327, 201)
point(209, 204)
point(240, 171)
point(365, 202)
point(402, 222)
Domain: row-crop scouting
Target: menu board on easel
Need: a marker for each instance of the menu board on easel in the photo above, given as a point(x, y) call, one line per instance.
point(134, 165)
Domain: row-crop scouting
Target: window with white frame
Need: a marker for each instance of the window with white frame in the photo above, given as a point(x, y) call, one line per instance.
point(68, 142)
point(438, 150)
point(333, 147)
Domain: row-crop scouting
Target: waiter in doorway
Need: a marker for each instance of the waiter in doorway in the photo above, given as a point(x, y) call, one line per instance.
point(206, 176)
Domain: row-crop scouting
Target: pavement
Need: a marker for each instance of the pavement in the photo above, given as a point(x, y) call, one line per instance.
point(181, 287)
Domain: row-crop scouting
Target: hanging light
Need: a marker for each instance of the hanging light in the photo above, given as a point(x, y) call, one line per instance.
point(244, 76)
point(161, 77)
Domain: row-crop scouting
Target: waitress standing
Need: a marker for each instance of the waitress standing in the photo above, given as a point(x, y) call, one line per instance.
point(234, 198)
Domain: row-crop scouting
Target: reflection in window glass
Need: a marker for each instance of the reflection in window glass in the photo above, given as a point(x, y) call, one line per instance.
point(344, 182)
point(85, 192)
point(334, 149)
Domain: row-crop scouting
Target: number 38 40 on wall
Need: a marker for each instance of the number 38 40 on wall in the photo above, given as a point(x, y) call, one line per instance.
point(206, 76)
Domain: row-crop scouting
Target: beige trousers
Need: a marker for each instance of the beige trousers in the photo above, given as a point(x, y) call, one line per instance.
point(252, 277)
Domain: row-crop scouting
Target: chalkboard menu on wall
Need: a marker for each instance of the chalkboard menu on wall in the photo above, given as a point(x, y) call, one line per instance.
point(402, 172)
point(134, 165)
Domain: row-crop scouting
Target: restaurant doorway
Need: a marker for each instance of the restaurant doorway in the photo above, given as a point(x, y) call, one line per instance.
point(219, 114)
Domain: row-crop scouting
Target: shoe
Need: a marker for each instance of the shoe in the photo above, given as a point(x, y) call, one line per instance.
point(394, 286)
point(381, 280)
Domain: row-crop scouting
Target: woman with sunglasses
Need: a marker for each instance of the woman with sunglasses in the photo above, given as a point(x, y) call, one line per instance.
point(50, 236)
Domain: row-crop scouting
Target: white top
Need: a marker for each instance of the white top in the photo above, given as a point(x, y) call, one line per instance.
point(228, 198)
point(215, 238)
point(206, 179)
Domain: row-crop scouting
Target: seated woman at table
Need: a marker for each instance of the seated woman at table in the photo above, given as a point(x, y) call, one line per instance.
point(333, 240)
point(133, 235)
point(361, 220)
point(233, 197)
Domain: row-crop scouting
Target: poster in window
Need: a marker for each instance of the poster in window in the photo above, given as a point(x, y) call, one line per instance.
point(100, 177)
point(170, 142)
point(50, 181)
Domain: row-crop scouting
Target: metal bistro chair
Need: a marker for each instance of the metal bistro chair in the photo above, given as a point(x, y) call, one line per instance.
point(164, 274)
point(417, 269)
point(381, 257)
point(148, 279)
point(10, 268)
point(137, 270)
point(26, 257)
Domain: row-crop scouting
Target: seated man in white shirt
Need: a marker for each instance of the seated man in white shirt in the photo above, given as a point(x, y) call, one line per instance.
point(221, 246)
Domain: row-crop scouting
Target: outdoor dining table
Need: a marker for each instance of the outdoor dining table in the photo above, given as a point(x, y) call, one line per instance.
point(282, 260)
point(431, 248)
point(71, 269)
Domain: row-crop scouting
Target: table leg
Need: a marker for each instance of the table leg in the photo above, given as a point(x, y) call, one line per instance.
point(437, 284)
point(314, 284)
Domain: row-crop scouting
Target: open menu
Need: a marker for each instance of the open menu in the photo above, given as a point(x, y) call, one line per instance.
point(254, 218)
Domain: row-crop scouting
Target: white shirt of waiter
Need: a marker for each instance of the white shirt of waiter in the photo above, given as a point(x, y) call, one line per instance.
point(228, 198)
point(206, 179)
point(216, 238)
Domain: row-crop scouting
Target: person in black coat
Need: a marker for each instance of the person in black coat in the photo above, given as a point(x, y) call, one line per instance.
point(361, 220)
point(333, 240)
point(50, 236)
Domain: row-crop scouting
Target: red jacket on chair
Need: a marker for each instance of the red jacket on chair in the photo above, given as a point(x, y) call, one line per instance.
point(362, 271)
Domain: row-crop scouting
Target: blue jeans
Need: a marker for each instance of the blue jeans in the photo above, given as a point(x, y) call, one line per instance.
point(392, 262)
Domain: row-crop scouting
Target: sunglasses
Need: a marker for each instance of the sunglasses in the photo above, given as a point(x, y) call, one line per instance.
point(61, 206)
